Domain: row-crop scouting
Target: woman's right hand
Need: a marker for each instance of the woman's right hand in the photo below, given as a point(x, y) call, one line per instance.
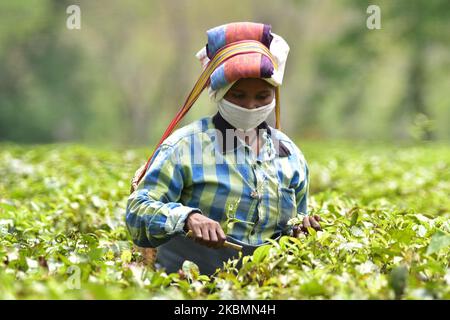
point(205, 231)
point(308, 221)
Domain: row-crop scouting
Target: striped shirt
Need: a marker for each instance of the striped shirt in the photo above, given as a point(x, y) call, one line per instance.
point(252, 196)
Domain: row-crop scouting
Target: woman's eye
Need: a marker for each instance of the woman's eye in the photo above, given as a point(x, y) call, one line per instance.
point(262, 97)
point(238, 96)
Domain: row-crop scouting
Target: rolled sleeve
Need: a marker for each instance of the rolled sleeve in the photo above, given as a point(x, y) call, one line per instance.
point(154, 213)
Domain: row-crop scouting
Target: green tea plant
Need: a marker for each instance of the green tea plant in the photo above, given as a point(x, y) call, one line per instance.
point(385, 216)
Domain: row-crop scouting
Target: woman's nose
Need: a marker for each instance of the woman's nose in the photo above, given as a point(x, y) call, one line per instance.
point(252, 104)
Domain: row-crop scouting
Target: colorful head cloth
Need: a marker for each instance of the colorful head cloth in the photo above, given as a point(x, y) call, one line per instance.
point(249, 65)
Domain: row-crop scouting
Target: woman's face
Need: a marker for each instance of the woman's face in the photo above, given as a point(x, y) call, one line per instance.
point(251, 93)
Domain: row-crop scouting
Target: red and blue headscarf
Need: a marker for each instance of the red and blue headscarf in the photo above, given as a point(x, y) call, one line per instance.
point(250, 65)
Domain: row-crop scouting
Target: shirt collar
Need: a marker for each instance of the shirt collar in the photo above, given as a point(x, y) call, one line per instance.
point(221, 124)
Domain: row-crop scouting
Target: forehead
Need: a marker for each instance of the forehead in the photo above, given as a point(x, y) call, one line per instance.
point(251, 84)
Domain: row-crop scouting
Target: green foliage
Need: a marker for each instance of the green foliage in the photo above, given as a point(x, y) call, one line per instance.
point(132, 63)
point(440, 240)
point(385, 212)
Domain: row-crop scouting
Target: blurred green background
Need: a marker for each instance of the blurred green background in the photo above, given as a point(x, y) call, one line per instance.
point(121, 77)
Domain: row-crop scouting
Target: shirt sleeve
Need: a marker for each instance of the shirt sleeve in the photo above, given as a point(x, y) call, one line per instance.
point(302, 186)
point(154, 214)
point(302, 192)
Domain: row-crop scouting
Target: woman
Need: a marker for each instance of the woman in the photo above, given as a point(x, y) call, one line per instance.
point(230, 176)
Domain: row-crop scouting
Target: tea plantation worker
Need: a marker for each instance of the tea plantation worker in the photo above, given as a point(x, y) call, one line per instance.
point(241, 187)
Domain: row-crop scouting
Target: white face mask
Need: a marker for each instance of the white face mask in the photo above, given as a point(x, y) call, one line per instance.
point(242, 118)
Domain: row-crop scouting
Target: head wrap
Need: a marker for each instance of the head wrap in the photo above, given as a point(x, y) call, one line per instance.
point(250, 65)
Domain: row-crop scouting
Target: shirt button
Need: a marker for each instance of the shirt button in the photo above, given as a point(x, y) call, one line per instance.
point(254, 194)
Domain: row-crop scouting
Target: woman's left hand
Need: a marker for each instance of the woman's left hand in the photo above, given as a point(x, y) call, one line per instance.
point(308, 221)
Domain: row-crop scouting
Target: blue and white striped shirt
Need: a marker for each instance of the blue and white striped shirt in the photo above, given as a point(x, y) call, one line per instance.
point(251, 196)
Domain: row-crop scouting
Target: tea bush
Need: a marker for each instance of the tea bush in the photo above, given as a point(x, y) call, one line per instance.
point(386, 229)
